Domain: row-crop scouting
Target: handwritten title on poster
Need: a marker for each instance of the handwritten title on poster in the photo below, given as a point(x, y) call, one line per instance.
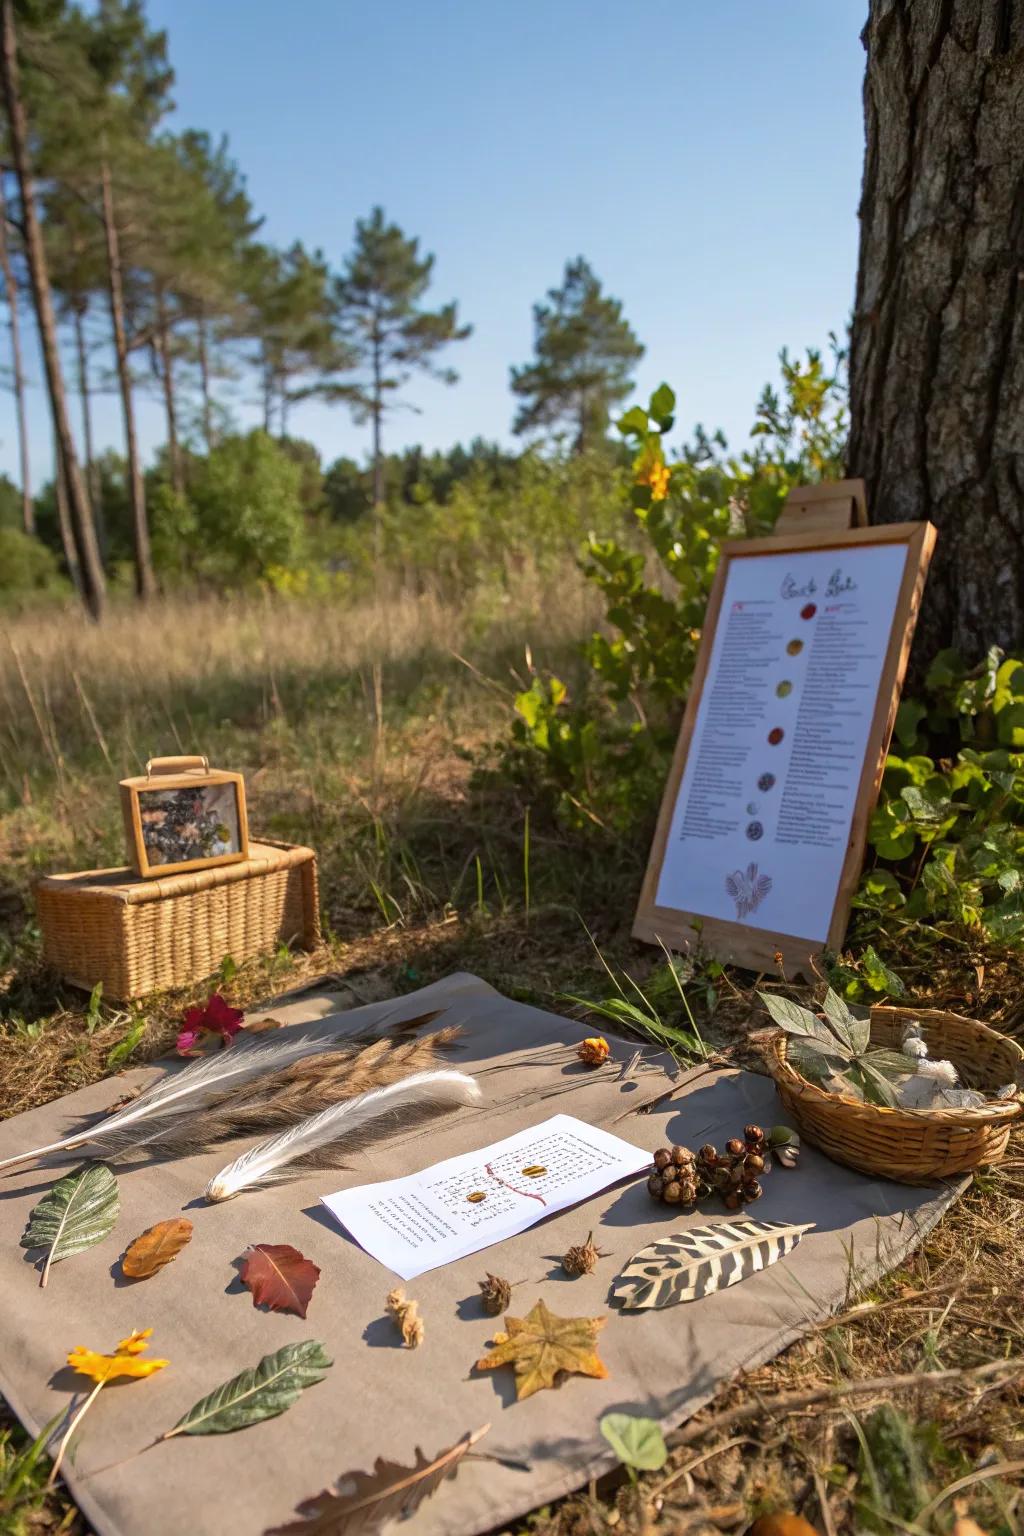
point(762, 819)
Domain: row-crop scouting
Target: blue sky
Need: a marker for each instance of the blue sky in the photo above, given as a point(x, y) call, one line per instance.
point(704, 157)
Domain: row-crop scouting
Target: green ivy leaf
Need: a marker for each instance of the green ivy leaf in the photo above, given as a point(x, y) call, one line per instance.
point(81, 1209)
point(908, 717)
point(878, 975)
point(662, 405)
point(636, 1442)
point(252, 1396)
point(634, 422)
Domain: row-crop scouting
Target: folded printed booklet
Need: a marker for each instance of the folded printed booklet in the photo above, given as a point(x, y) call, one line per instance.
point(467, 1203)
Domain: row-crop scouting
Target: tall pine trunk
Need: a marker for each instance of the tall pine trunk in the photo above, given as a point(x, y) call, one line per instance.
point(86, 547)
point(202, 350)
point(937, 346)
point(91, 477)
point(28, 514)
point(67, 538)
point(145, 580)
point(163, 343)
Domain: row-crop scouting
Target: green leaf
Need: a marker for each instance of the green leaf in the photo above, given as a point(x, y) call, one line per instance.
point(878, 975)
point(81, 1209)
point(120, 1052)
point(908, 718)
point(663, 403)
point(924, 806)
point(876, 1088)
point(636, 1442)
point(814, 1063)
point(855, 1033)
point(634, 422)
point(797, 1021)
point(263, 1393)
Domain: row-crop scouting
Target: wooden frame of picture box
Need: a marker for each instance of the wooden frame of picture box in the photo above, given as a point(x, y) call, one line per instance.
point(164, 773)
point(815, 518)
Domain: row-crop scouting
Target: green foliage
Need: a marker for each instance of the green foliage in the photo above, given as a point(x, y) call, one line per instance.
point(603, 753)
point(584, 354)
point(833, 1048)
point(242, 520)
point(948, 830)
point(637, 1442)
point(27, 567)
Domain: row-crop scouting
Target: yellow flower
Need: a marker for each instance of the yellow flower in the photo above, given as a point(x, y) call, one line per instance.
point(659, 479)
point(124, 1361)
point(651, 469)
point(594, 1051)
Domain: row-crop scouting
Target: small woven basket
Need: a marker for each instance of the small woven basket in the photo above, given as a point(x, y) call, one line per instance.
point(912, 1146)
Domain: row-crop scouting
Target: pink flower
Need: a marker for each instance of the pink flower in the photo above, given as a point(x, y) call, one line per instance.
point(217, 1017)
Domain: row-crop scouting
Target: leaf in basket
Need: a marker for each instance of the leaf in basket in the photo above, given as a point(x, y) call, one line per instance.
point(690, 1265)
point(361, 1503)
point(279, 1277)
point(797, 1022)
point(892, 1063)
point(156, 1247)
point(812, 1062)
point(259, 1394)
point(80, 1210)
point(875, 1086)
point(853, 1032)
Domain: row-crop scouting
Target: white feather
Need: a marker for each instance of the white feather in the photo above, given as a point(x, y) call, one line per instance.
point(179, 1094)
point(276, 1157)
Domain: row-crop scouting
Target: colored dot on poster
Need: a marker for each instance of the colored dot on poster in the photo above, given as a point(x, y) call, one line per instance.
point(752, 807)
point(794, 648)
point(765, 782)
point(784, 689)
point(775, 735)
point(808, 610)
point(754, 831)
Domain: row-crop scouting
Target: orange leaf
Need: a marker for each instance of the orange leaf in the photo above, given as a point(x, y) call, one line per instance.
point(279, 1277)
point(156, 1247)
point(540, 1346)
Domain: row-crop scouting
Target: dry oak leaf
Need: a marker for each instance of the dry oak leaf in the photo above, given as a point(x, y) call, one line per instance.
point(156, 1247)
point(540, 1345)
point(279, 1277)
point(363, 1502)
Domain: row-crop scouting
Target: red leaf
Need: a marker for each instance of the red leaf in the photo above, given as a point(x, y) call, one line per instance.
point(279, 1277)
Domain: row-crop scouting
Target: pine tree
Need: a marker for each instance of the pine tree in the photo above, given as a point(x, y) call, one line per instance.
point(291, 322)
point(585, 352)
point(12, 296)
point(379, 319)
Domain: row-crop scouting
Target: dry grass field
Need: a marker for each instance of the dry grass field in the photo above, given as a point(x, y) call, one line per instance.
point(359, 730)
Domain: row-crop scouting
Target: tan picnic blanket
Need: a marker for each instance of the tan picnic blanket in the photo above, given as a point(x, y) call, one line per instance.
point(379, 1399)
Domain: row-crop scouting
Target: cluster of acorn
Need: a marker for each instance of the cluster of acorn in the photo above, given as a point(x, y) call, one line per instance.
point(680, 1178)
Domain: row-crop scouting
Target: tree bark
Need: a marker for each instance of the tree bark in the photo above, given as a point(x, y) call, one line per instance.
point(937, 344)
point(145, 580)
point(204, 380)
point(67, 538)
point(28, 514)
point(84, 531)
point(163, 344)
point(91, 477)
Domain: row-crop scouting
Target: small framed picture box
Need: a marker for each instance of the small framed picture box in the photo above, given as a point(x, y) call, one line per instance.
point(184, 815)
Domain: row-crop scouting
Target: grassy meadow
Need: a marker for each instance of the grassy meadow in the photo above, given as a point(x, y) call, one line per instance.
point(363, 729)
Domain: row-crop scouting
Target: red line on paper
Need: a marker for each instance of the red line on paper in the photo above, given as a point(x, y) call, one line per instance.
point(527, 1193)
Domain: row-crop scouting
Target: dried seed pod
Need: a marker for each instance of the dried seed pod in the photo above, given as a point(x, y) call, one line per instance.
point(682, 1157)
point(753, 1163)
point(495, 1294)
point(688, 1190)
point(733, 1200)
point(752, 1190)
point(594, 1051)
point(655, 1185)
point(582, 1260)
point(662, 1158)
point(754, 1134)
point(708, 1153)
point(735, 1147)
point(407, 1318)
point(673, 1192)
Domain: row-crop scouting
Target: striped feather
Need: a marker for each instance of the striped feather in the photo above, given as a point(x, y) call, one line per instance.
point(690, 1265)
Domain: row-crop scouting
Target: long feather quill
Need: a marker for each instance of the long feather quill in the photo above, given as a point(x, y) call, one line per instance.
point(160, 1108)
point(317, 1141)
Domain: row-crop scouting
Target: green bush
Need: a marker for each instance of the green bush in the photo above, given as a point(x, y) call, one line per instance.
point(27, 567)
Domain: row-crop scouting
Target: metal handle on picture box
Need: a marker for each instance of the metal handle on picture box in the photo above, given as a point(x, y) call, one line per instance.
point(177, 765)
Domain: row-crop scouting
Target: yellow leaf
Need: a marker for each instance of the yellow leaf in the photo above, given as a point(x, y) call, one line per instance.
point(540, 1345)
point(125, 1361)
point(156, 1247)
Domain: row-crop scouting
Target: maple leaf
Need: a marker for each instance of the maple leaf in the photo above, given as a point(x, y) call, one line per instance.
point(279, 1277)
point(125, 1361)
point(540, 1345)
point(156, 1247)
point(216, 1017)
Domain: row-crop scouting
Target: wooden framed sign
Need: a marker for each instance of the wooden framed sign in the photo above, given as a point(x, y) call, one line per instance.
point(763, 825)
point(184, 815)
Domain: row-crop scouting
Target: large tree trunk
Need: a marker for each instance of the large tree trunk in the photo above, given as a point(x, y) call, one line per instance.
point(91, 477)
point(67, 538)
point(937, 347)
point(204, 380)
point(28, 515)
point(163, 344)
point(145, 580)
point(87, 550)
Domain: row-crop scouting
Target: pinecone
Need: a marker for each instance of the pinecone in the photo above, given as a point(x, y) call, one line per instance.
point(495, 1294)
point(583, 1259)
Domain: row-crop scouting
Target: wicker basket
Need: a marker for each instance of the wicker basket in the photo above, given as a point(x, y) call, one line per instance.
point(141, 936)
point(912, 1146)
